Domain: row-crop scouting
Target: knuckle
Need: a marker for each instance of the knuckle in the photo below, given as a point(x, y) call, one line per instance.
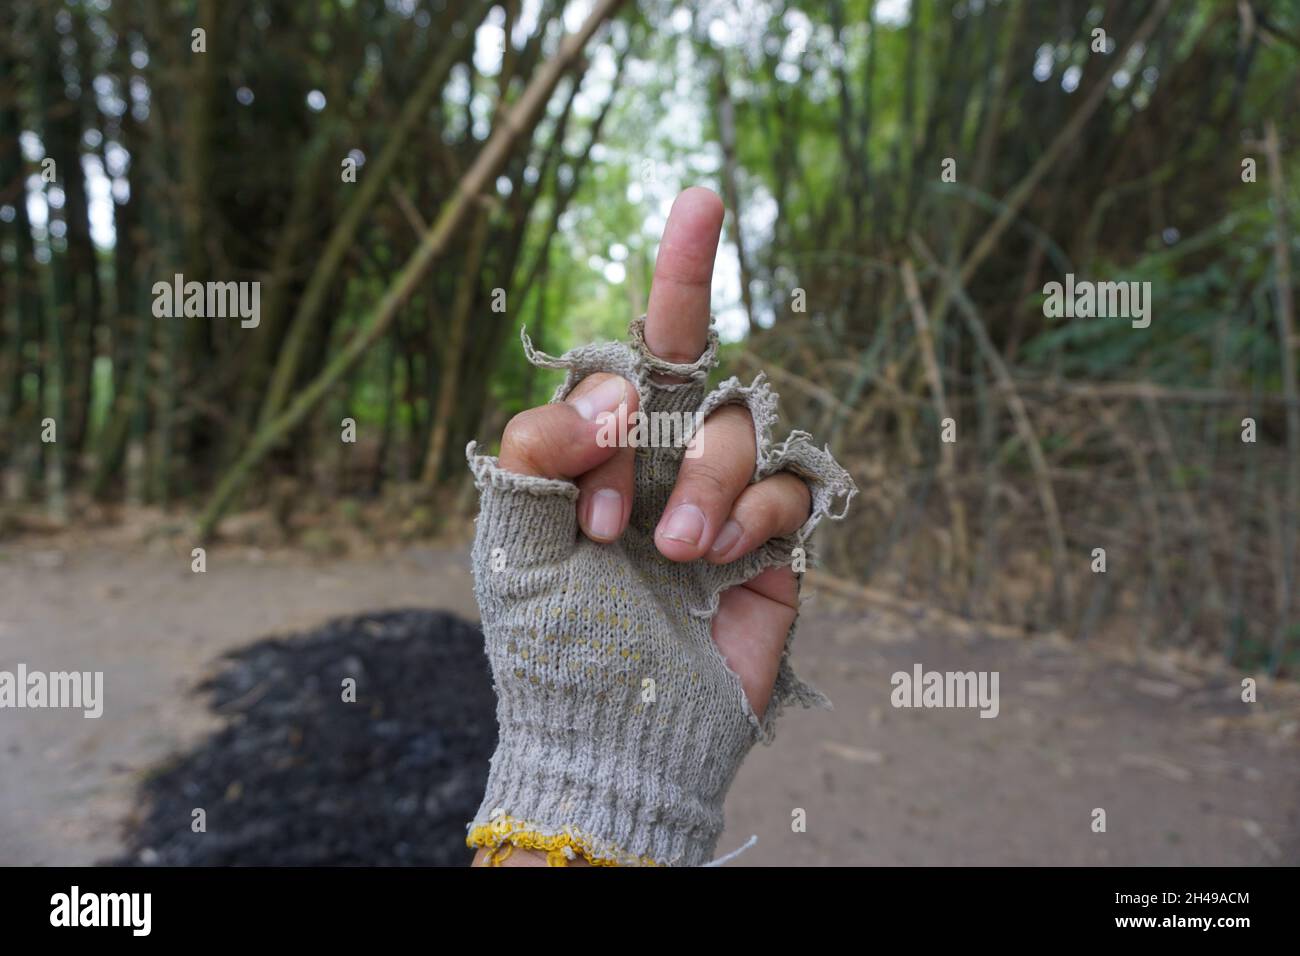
point(759, 514)
point(780, 504)
point(796, 494)
point(708, 480)
point(528, 437)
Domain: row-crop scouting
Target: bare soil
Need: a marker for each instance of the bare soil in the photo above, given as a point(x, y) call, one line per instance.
point(1186, 772)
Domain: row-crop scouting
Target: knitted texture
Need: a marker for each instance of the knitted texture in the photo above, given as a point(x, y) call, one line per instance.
point(621, 726)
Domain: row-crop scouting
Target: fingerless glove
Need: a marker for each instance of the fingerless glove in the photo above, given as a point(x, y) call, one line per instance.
point(621, 727)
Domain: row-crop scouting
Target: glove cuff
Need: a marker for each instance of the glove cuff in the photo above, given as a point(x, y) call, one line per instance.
point(620, 781)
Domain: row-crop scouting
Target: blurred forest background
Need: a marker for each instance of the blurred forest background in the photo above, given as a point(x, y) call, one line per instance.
point(514, 163)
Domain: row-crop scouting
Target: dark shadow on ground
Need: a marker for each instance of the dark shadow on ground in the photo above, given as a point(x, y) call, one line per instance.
point(298, 777)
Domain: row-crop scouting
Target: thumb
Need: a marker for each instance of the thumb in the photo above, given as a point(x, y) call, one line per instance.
point(566, 439)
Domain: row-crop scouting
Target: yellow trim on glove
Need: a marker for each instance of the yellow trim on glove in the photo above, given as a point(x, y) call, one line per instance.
point(504, 834)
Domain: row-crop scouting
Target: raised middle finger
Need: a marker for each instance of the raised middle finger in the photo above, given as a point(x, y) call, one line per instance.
point(677, 316)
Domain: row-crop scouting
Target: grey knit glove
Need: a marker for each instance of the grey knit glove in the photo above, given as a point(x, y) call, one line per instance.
point(621, 726)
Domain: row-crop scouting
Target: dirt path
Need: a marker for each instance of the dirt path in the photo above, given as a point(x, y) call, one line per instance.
point(1186, 773)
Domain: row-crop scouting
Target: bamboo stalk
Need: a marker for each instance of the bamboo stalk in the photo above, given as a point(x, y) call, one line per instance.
point(1025, 427)
point(947, 450)
point(368, 190)
point(517, 122)
point(1191, 516)
point(1287, 345)
point(726, 118)
point(1149, 391)
point(449, 380)
point(1023, 190)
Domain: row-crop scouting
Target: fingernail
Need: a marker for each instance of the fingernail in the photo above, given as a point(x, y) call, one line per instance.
point(605, 397)
point(727, 538)
point(606, 513)
point(686, 523)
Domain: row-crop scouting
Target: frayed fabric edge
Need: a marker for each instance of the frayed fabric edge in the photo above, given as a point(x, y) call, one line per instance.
point(827, 481)
point(488, 473)
point(633, 360)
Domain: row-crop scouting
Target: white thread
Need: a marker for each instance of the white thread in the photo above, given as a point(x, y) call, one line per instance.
point(752, 841)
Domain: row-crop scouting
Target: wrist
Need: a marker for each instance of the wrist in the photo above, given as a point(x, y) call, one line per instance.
point(613, 778)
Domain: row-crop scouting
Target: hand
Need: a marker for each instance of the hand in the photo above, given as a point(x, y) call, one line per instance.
point(638, 603)
point(714, 512)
